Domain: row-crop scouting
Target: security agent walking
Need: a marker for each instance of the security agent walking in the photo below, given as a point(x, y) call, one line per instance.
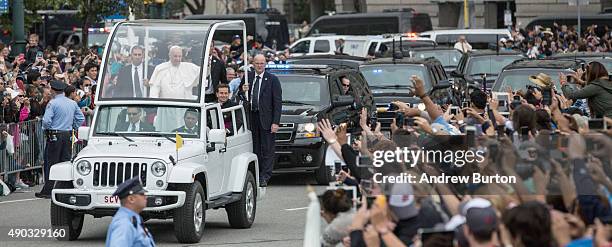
point(127, 227)
point(62, 116)
point(266, 103)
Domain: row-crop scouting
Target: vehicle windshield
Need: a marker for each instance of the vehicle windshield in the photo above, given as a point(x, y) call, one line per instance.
point(394, 75)
point(490, 65)
point(98, 39)
point(305, 90)
point(448, 58)
point(519, 79)
point(147, 121)
point(154, 61)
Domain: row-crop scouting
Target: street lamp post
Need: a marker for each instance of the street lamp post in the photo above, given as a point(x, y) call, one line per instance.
point(18, 29)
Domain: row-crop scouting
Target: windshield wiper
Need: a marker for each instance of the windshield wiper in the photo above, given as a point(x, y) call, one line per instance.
point(116, 134)
point(392, 86)
point(481, 74)
point(295, 102)
point(157, 135)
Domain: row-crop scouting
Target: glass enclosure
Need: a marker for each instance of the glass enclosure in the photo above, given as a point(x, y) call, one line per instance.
point(305, 90)
point(519, 79)
point(147, 121)
point(490, 65)
point(156, 60)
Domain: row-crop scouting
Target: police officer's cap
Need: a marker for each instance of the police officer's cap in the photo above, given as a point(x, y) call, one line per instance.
point(129, 187)
point(58, 85)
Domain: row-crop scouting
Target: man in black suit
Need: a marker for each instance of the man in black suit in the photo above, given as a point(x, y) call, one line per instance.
point(134, 123)
point(216, 76)
point(191, 119)
point(266, 103)
point(131, 81)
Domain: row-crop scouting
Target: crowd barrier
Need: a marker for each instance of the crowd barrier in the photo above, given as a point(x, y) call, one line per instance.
point(29, 145)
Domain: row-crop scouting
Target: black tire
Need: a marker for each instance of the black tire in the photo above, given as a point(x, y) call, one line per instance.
point(185, 228)
point(241, 214)
point(65, 219)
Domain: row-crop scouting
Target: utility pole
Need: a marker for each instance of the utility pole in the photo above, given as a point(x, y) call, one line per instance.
point(18, 29)
point(466, 15)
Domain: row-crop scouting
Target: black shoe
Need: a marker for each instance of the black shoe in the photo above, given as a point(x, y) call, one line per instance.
point(263, 183)
point(41, 195)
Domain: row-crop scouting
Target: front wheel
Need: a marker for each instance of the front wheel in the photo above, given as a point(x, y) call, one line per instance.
point(66, 222)
point(241, 214)
point(189, 219)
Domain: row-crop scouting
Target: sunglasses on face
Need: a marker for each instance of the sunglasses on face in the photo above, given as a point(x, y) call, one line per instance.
point(346, 85)
point(86, 85)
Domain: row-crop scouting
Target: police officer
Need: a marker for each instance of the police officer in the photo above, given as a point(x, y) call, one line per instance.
point(62, 116)
point(127, 227)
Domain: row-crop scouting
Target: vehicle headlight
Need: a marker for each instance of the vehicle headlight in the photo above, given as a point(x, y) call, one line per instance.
point(158, 168)
point(83, 167)
point(306, 130)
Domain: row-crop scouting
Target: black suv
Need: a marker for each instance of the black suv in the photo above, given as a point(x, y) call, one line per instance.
point(311, 93)
point(448, 56)
point(389, 80)
point(604, 58)
point(476, 64)
point(516, 75)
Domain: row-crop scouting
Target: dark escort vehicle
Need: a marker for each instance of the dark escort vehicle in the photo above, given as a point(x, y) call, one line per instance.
point(389, 80)
point(476, 66)
point(312, 93)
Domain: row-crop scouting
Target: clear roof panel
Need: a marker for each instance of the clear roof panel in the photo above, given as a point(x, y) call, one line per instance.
point(155, 61)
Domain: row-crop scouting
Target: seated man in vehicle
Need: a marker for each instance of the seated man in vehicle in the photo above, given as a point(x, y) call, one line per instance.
point(346, 85)
point(191, 123)
point(134, 123)
point(222, 93)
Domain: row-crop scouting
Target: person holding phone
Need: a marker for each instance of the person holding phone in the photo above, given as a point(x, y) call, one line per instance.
point(597, 90)
point(32, 49)
point(336, 210)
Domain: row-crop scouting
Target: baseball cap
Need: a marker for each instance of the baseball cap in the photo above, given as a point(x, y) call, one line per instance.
point(236, 37)
point(402, 201)
point(481, 221)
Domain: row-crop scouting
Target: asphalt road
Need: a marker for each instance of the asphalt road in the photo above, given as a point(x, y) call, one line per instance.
point(279, 221)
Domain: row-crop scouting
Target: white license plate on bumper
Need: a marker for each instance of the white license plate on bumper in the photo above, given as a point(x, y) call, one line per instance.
point(108, 200)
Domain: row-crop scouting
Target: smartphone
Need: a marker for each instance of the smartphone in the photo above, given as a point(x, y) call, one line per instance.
point(583, 66)
point(516, 98)
point(454, 110)
point(373, 121)
point(392, 107)
point(399, 119)
point(337, 166)
point(524, 132)
point(597, 124)
point(440, 237)
point(410, 122)
point(465, 104)
point(39, 54)
point(546, 96)
point(366, 187)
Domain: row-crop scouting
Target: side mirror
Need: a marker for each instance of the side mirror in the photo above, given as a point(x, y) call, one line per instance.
point(342, 100)
point(216, 136)
point(83, 133)
point(456, 73)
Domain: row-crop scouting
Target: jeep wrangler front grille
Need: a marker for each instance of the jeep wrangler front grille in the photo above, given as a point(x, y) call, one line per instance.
point(111, 174)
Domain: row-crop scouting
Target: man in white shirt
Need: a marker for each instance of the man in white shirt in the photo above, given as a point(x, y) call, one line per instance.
point(462, 45)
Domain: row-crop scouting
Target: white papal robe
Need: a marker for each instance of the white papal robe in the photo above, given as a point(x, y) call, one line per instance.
point(173, 82)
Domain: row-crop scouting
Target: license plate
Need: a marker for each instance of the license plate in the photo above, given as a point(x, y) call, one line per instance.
point(110, 199)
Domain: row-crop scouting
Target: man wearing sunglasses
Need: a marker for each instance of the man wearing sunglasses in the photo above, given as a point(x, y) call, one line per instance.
point(134, 123)
point(346, 85)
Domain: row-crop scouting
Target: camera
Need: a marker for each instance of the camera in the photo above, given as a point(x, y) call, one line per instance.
point(597, 124)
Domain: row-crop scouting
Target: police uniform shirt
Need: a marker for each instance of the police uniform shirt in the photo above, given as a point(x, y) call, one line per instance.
point(62, 114)
point(127, 229)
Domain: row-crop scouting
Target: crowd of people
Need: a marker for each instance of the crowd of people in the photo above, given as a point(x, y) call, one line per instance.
point(542, 42)
point(25, 87)
point(562, 195)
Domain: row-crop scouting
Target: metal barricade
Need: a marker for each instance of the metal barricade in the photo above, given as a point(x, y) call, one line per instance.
point(29, 146)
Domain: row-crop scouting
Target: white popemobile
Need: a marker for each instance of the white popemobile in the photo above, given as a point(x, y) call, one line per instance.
point(136, 135)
